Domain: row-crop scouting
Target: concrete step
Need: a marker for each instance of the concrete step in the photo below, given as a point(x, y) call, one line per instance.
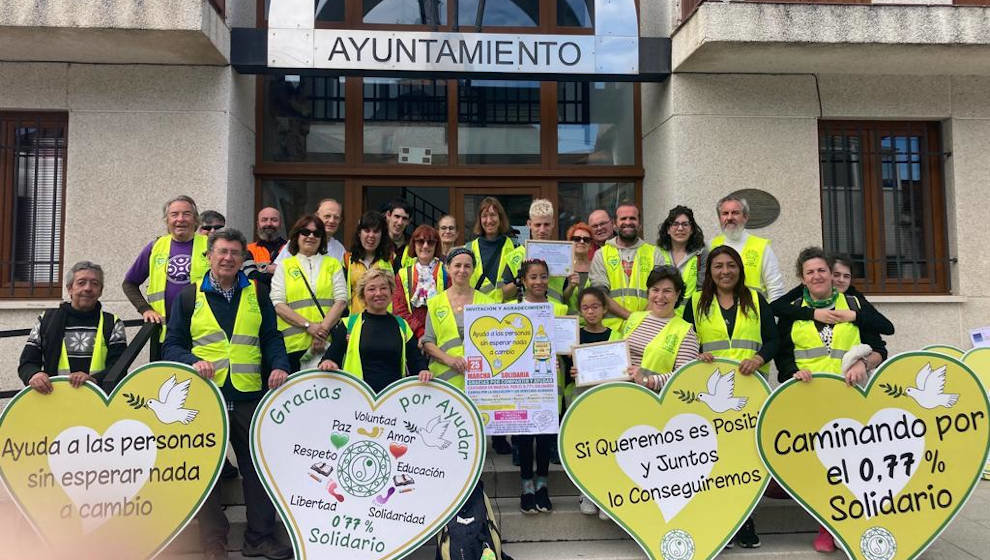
point(791, 547)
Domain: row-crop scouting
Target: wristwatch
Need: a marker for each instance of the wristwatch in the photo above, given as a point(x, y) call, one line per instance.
point(306, 326)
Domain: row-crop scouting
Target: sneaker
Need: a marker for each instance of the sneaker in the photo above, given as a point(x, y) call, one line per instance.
point(269, 548)
point(587, 506)
point(824, 542)
point(603, 515)
point(527, 503)
point(730, 544)
point(543, 500)
point(501, 445)
point(746, 537)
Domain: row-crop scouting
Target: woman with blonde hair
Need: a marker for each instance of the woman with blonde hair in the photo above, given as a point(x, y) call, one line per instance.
point(376, 346)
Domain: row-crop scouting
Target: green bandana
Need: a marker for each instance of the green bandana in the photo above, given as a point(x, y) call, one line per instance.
point(822, 303)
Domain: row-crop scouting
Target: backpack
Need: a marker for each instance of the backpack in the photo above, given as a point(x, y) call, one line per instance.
point(473, 533)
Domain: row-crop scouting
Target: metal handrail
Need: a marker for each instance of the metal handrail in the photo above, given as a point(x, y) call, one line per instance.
point(130, 354)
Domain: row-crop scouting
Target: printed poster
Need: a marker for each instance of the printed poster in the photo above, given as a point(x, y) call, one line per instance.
point(512, 367)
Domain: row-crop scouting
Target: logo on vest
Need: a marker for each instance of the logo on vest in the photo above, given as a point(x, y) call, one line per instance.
point(295, 273)
point(670, 343)
point(750, 257)
point(614, 261)
point(441, 314)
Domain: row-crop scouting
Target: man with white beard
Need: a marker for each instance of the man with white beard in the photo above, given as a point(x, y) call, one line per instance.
point(759, 261)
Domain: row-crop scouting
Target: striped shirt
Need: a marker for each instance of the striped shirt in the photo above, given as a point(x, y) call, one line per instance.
point(646, 331)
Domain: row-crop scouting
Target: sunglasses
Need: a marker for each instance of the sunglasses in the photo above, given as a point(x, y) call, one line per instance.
point(309, 233)
point(580, 239)
point(425, 241)
point(211, 227)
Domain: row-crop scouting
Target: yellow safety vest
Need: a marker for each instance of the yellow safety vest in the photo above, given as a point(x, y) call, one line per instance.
point(510, 258)
point(240, 356)
point(98, 361)
point(809, 351)
point(660, 354)
point(573, 305)
point(352, 359)
point(752, 257)
point(713, 335)
point(353, 302)
point(409, 279)
point(628, 291)
point(158, 271)
point(448, 339)
point(298, 298)
point(689, 274)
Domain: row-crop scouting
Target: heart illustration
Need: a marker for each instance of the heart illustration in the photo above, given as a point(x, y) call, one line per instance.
point(384, 496)
point(503, 342)
point(978, 360)
point(678, 471)
point(339, 440)
point(873, 464)
point(118, 476)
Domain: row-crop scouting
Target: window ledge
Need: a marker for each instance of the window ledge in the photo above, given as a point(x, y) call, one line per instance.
point(916, 299)
point(28, 304)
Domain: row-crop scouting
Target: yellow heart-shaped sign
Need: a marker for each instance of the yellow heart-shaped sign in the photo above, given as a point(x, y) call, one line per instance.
point(366, 477)
point(978, 360)
point(503, 342)
point(116, 476)
point(873, 465)
point(679, 471)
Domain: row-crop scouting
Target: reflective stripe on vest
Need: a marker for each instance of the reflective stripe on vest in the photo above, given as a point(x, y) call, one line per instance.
point(98, 361)
point(660, 354)
point(444, 323)
point(555, 289)
point(752, 255)
point(240, 357)
point(713, 335)
point(158, 271)
point(298, 298)
point(409, 278)
point(509, 258)
point(809, 351)
point(352, 359)
point(628, 291)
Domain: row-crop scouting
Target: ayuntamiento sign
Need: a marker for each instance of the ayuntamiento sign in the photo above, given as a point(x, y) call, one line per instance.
point(295, 43)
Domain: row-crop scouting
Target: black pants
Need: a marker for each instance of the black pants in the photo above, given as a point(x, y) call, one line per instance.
point(213, 525)
point(294, 358)
point(544, 448)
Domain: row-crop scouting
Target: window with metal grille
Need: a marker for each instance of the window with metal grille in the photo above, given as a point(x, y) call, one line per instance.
point(32, 185)
point(883, 203)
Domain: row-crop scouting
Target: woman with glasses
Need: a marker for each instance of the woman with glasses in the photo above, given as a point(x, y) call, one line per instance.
point(420, 281)
point(447, 226)
point(309, 291)
point(682, 244)
point(580, 235)
point(368, 251)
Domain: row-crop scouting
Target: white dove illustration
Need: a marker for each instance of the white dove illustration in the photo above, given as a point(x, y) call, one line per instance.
point(171, 398)
point(719, 396)
point(929, 392)
point(433, 433)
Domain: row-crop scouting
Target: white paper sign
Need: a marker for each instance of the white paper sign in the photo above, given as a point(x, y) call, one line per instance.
point(566, 334)
point(512, 368)
point(559, 255)
point(363, 477)
point(600, 362)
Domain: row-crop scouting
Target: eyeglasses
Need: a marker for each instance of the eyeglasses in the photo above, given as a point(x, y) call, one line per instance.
point(580, 239)
point(309, 232)
point(447, 228)
point(680, 225)
point(211, 227)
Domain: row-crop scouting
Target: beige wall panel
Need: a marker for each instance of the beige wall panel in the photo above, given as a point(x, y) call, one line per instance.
point(970, 97)
point(744, 95)
point(885, 97)
point(33, 85)
point(920, 324)
point(94, 87)
point(123, 166)
point(970, 172)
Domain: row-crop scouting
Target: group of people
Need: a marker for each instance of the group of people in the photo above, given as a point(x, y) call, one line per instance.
point(247, 314)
